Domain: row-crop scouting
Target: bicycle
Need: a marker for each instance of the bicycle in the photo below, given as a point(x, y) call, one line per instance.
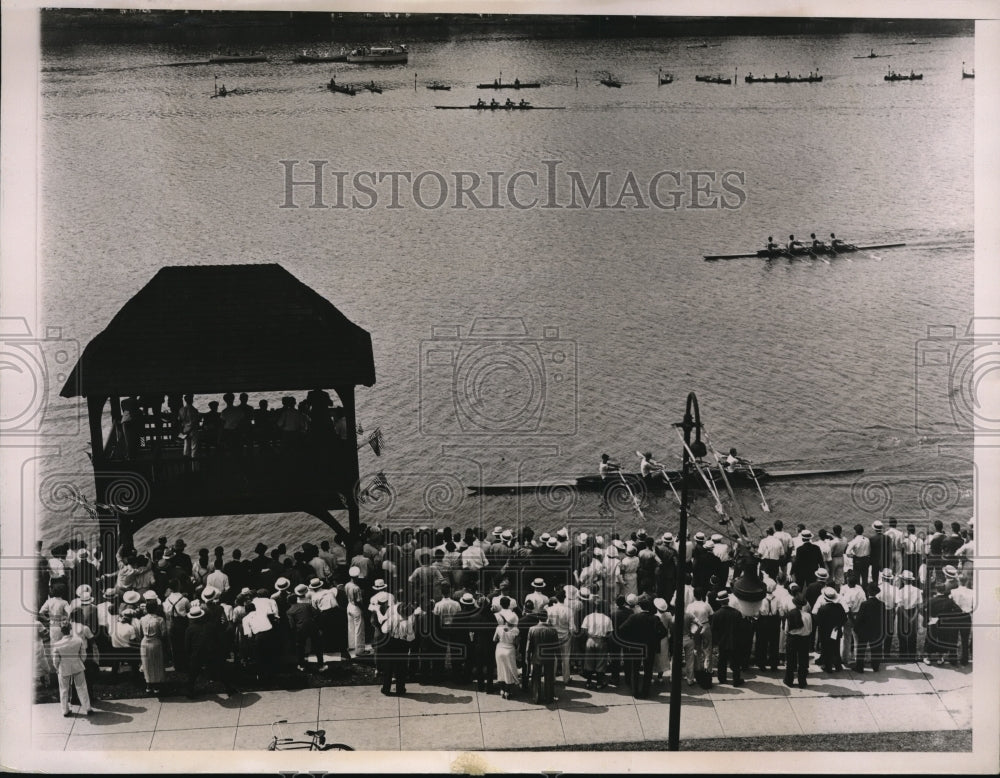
point(317, 741)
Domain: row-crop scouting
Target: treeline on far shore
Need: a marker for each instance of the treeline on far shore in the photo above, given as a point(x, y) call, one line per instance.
point(67, 26)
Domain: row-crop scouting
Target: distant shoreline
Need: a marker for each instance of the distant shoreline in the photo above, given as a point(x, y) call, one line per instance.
point(63, 27)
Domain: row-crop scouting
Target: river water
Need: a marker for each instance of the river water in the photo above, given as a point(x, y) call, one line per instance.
point(806, 363)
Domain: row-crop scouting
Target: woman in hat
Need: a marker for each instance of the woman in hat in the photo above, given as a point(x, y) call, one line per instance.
point(355, 615)
point(125, 635)
point(628, 571)
point(506, 637)
point(153, 628)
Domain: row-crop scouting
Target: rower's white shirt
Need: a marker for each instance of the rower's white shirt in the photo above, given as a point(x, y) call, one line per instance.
point(606, 469)
point(649, 466)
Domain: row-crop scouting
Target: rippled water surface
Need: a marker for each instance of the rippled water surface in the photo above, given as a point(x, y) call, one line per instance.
point(809, 363)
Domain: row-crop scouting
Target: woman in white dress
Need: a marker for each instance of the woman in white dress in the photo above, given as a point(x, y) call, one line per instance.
point(628, 572)
point(505, 636)
point(662, 663)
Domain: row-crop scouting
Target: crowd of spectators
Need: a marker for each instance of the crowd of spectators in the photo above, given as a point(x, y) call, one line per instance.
point(509, 611)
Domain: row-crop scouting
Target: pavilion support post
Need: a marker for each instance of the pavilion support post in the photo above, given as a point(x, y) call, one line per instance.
point(95, 409)
point(346, 395)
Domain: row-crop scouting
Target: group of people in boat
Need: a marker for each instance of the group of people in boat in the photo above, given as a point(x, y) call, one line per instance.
point(798, 247)
point(480, 103)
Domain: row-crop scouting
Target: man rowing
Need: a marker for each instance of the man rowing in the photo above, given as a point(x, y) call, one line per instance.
point(649, 467)
point(480, 103)
point(836, 244)
point(818, 246)
point(607, 467)
point(794, 246)
point(772, 247)
point(734, 461)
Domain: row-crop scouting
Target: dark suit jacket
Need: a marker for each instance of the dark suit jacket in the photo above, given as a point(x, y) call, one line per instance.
point(543, 644)
point(726, 627)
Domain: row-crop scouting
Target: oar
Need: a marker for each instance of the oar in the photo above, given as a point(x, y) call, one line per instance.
point(663, 472)
point(725, 479)
point(763, 500)
point(636, 502)
point(708, 483)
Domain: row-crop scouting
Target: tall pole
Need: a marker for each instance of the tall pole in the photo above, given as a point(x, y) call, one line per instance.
point(677, 672)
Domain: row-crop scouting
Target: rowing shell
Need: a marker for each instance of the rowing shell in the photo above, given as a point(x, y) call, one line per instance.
point(595, 483)
point(501, 107)
point(765, 254)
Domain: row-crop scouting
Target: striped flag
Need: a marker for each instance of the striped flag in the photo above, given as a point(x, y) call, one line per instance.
point(376, 441)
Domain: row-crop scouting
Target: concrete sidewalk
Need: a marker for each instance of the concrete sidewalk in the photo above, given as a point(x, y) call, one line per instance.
point(898, 698)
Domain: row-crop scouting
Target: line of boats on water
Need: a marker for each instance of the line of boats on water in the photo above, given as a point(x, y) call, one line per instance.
point(368, 55)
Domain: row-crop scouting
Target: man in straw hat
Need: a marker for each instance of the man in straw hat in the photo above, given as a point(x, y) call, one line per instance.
point(909, 600)
point(68, 655)
point(726, 628)
point(304, 622)
point(202, 645)
point(541, 650)
point(830, 618)
point(808, 559)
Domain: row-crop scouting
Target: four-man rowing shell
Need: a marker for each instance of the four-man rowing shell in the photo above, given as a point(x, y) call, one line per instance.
point(806, 251)
point(595, 483)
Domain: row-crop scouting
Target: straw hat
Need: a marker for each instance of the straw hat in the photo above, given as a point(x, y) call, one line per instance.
point(538, 583)
point(830, 594)
point(468, 599)
point(302, 590)
point(806, 534)
point(354, 572)
point(379, 585)
point(195, 611)
point(81, 589)
point(315, 583)
point(822, 574)
point(209, 593)
point(281, 584)
point(699, 536)
point(131, 597)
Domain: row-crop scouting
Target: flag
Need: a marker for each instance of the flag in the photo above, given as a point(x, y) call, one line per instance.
point(378, 483)
point(376, 441)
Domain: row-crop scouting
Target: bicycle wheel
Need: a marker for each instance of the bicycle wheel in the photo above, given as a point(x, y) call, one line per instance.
point(336, 747)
